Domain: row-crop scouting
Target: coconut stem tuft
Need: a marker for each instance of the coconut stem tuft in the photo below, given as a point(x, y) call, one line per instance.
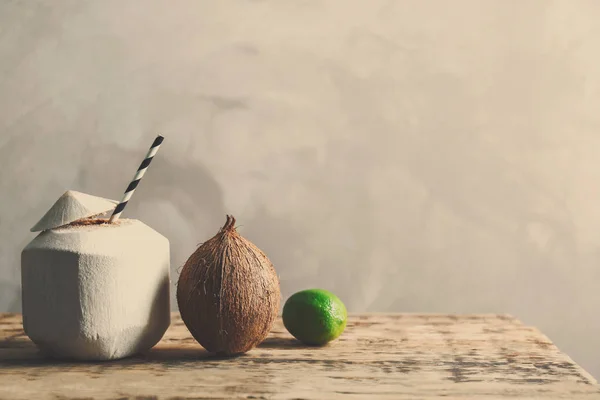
point(229, 224)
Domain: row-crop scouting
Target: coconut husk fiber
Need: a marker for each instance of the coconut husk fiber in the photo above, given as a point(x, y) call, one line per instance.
point(228, 293)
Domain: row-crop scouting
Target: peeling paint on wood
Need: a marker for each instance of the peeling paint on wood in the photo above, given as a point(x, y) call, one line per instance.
point(379, 356)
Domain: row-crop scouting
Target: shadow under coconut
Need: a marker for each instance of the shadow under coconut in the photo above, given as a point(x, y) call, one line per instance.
point(183, 354)
point(200, 354)
point(157, 356)
point(169, 356)
point(285, 343)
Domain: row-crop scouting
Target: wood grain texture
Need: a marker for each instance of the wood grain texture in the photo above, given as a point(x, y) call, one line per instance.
point(379, 356)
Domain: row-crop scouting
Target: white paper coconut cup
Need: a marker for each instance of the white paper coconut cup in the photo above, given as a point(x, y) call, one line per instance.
point(96, 292)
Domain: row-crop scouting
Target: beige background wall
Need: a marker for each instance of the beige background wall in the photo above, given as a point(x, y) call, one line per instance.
point(408, 155)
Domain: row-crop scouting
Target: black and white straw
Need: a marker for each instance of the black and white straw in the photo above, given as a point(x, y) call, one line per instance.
point(137, 178)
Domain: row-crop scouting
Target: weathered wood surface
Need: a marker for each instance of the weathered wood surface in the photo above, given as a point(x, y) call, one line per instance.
point(387, 356)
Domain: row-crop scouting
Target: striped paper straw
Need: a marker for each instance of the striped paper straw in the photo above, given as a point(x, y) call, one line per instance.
point(137, 178)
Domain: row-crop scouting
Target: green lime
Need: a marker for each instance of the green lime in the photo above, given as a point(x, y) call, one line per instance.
point(314, 316)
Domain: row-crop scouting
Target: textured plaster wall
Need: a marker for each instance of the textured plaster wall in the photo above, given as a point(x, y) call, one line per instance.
point(408, 155)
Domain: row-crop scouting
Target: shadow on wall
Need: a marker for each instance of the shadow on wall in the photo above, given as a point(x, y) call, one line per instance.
point(26, 179)
point(182, 202)
point(193, 191)
point(11, 296)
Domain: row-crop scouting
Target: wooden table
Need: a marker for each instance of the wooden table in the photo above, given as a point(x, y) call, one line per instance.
point(379, 356)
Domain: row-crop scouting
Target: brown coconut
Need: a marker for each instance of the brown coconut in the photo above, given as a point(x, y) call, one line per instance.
point(228, 293)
